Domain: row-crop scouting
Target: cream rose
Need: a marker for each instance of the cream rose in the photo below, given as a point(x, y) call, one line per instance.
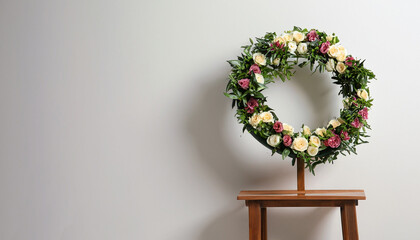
point(346, 102)
point(298, 36)
point(292, 46)
point(259, 59)
point(306, 130)
point(312, 151)
point(300, 144)
point(287, 129)
point(330, 66)
point(276, 61)
point(333, 51)
point(254, 120)
point(334, 123)
point(302, 48)
point(321, 131)
point(329, 38)
point(315, 141)
point(267, 117)
point(259, 78)
point(287, 37)
point(279, 39)
point(341, 67)
point(274, 140)
point(362, 93)
point(342, 54)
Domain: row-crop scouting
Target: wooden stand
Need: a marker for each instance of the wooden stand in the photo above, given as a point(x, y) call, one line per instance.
point(258, 202)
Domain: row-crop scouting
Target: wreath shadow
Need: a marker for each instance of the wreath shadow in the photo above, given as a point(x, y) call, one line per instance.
point(204, 126)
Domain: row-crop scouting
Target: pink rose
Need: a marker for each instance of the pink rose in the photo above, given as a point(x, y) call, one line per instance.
point(278, 126)
point(244, 83)
point(344, 135)
point(251, 105)
point(334, 142)
point(254, 68)
point(364, 113)
point(324, 47)
point(356, 123)
point(287, 140)
point(349, 61)
point(326, 143)
point(354, 99)
point(312, 36)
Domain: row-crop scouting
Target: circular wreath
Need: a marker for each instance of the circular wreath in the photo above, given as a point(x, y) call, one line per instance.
point(274, 56)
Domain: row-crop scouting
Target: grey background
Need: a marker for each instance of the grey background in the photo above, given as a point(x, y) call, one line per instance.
point(114, 126)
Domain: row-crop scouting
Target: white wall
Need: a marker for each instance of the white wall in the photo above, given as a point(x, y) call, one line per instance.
point(114, 126)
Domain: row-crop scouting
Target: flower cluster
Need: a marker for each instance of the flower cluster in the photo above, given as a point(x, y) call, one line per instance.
point(268, 59)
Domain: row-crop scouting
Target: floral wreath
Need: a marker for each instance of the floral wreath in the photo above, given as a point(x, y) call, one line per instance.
point(275, 56)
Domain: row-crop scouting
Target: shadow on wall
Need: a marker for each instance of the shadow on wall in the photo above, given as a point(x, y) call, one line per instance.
point(205, 127)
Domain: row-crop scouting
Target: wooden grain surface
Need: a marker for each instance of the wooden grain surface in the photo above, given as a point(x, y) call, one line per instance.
point(302, 195)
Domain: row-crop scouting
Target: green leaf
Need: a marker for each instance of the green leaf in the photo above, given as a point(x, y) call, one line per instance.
point(231, 96)
point(234, 63)
point(285, 153)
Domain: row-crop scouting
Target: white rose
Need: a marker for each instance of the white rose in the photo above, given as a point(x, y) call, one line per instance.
point(259, 78)
point(333, 51)
point(340, 67)
point(259, 59)
point(320, 131)
point(254, 120)
point(292, 46)
point(300, 144)
point(315, 141)
point(287, 129)
point(279, 39)
point(298, 36)
point(302, 48)
point(334, 123)
point(267, 117)
point(342, 54)
point(330, 66)
point(274, 140)
point(276, 61)
point(287, 37)
point(346, 102)
point(341, 57)
point(362, 93)
point(306, 130)
point(312, 151)
point(329, 38)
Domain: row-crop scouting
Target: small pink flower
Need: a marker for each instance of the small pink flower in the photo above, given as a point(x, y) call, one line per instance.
point(354, 99)
point(278, 126)
point(324, 47)
point(356, 123)
point(244, 83)
point(287, 140)
point(254, 68)
point(364, 113)
point(312, 36)
point(251, 105)
point(334, 142)
point(326, 143)
point(349, 61)
point(345, 135)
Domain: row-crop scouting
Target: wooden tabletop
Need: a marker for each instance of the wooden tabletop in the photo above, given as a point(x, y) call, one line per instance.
point(302, 195)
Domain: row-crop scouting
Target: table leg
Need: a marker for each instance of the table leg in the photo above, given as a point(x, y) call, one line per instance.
point(349, 221)
point(263, 223)
point(254, 209)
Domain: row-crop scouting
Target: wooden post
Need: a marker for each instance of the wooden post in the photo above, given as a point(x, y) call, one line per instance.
point(300, 175)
